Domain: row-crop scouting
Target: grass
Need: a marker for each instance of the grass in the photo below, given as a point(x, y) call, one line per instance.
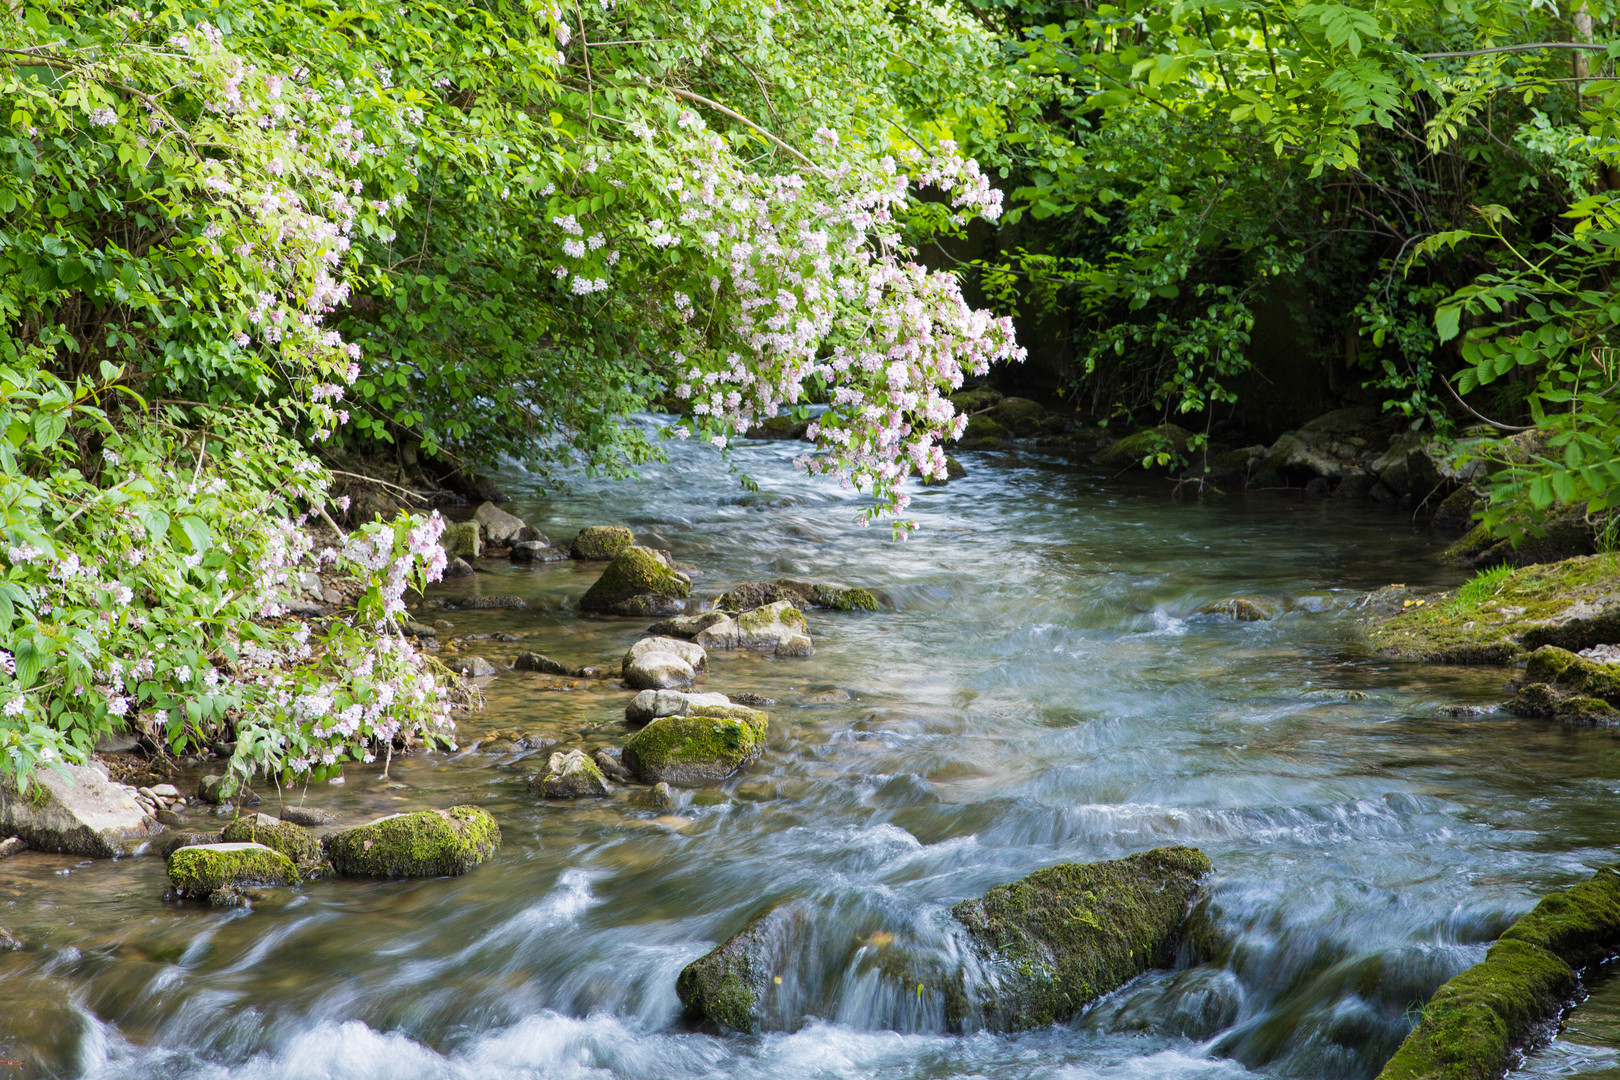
point(1481, 587)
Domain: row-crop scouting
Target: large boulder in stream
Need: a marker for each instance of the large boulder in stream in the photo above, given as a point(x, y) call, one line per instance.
point(1474, 1024)
point(1059, 939)
point(78, 810)
point(218, 873)
point(424, 844)
point(690, 750)
point(638, 581)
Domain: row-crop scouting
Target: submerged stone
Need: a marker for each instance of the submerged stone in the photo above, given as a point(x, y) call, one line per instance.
point(1476, 1021)
point(1063, 937)
point(691, 750)
point(638, 581)
point(215, 872)
point(424, 844)
point(77, 811)
point(1242, 609)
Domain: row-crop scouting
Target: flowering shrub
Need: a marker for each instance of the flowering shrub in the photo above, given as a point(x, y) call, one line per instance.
point(237, 230)
point(142, 588)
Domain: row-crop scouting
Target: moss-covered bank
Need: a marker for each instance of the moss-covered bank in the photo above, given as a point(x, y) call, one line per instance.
point(1474, 1023)
point(1063, 937)
point(1573, 604)
point(424, 844)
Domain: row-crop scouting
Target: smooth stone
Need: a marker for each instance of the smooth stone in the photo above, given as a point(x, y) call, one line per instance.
point(307, 816)
point(571, 775)
point(77, 811)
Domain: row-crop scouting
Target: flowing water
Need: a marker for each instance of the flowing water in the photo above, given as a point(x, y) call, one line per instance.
point(1038, 689)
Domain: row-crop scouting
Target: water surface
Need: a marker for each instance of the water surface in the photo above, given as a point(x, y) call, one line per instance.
point(1038, 689)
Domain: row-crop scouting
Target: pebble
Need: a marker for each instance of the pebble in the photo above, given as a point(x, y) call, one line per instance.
point(10, 847)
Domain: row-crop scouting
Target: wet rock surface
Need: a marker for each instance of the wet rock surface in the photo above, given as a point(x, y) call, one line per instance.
point(1062, 937)
point(427, 843)
point(77, 811)
point(638, 581)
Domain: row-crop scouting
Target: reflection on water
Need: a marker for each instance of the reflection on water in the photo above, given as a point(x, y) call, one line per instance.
point(1039, 689)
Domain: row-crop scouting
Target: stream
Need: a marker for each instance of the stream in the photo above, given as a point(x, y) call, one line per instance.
point(1038, 689)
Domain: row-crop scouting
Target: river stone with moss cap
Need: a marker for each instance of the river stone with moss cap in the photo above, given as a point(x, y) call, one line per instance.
point(424, 844)
point(649, 705)
point(639, 581)
point(1063, 937)
point(692, 750)
point(1474, 1023)
point(462, 538)
point(215, 872)
point(1573, 604)
point(801, 594)
point(1572, 688)
point(601, 541)
point(293, 841)
point(1132, 449)
point(571, 775)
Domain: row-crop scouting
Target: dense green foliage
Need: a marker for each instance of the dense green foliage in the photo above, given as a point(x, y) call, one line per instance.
point(1426, 190)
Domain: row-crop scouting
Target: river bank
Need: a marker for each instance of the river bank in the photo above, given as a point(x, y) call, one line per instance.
point(1039, 688)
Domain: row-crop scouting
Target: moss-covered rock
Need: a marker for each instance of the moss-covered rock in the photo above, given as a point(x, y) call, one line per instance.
point(1474, 1023)
point(638, 581)
point(686, 626)
point(801, 594)
point(1558, 683)
point(1562, 538)
point(1242, 609)
point(424, 844)
point(1021, 416)
point(981, 428)
point(1573, 604)
point(780, 427)
point(695, 749)
point(1065, 936)
point(293, 841)
point(214, 872)
point(461, 539)
point(1132, 449)
point(779, 628)
point(976, 400)
point(571, 775)
point(732, 985)
point(601, 541)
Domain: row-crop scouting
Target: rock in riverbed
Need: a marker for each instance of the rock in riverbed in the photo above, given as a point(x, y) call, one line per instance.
point(692, 750)
point(424, 844)
point(1063, 937)
point(218, 872)
point(293, 841)
point(639, 581)
point(663, 663)
point(732, 985)
point(649, 705)
point(1475, 1022)
point(778, 628)
point(1575, 689)
point(80, 813)
point(601, 541)
point(501, 529)
point(570, 775)
point(800, 594)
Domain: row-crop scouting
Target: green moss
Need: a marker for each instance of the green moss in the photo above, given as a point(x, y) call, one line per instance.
point(1242, 609)
point(801, 594)
point(198, 872)
point(687, 750)
point(601, 541)
point(972, 401)
point(752, 717)
point(293, 841)
point(462, 539)
point(731, 985)
point(1473, 1024)
point(982, 427)
point(1574, 604)
point(424, 844)
point(634, 572)
point(1064, 936)
point(1133, 448)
